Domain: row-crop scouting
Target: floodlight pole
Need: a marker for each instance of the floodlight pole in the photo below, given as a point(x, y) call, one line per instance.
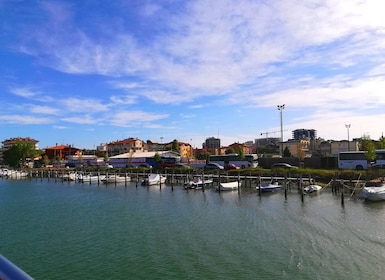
point(280, 109)
point(348, 127)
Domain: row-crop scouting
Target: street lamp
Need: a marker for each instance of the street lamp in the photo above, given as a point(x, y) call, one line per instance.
point(280, 109)
point(348, 127)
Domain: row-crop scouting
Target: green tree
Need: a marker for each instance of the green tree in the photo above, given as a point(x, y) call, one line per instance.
point(229, 151)
point(203, 155)
point(241, 153)
point(175, 146)
point(286, 152)
point(157, 157)
point(19, 152)
point(381, 143)
point(105, 158)
point(366, 144)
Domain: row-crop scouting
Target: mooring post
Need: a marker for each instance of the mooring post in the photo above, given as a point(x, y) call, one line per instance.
point(239, 182)
point(301, 188)
point(342, 192)
point(172, 180)
point(285, 184)
point(259, 186)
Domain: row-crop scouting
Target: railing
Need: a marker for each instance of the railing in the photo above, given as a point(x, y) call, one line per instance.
point(9, 271)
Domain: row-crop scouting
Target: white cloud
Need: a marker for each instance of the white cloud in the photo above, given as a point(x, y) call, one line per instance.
point(134, 118)
point(23, 92)
point(84, 119)
point(38, 109)
point(24, 119)
point(83, 105)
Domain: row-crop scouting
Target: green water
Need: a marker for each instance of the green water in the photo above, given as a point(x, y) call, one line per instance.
point(56, 230)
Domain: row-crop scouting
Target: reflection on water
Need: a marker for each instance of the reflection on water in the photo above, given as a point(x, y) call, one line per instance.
point(60, 231)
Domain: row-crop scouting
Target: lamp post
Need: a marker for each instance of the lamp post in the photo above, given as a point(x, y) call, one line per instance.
point(280, 109)
point(348, 127)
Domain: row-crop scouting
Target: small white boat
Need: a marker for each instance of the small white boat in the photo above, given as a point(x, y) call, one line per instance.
point(230, 186)
point(312, 189)
point(112, 179)
point(16, 174)
point(374, 193)
point(70, 176)
point(198, 182)
point(89, 178)
point(154, 179)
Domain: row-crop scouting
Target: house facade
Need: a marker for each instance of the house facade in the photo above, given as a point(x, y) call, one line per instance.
point(130, 145)
point(8, 143)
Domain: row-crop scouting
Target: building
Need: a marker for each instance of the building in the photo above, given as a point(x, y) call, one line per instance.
point(60, 152)
point(297, 148)
point(212, 143)
point(130, 145)
point(236, 147)
point(343, 146)
point(8, 143)
point(303, 133)
point(185, 150)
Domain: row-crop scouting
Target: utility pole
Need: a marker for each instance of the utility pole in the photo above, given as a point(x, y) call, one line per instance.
point(348, 127)
point(280, 109)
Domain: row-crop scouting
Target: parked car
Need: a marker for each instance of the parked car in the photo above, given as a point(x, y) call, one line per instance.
point(283, 165)
point(231, 166)
point(181, 165)
point(213, 165)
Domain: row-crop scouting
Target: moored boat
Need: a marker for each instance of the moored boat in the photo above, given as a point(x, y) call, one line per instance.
point(374, 192)
point(89, 178)
point(111, 179)
point(198, 182)
point(312, 189)
point(154, 179)
point(229, 186)
point(269, 187)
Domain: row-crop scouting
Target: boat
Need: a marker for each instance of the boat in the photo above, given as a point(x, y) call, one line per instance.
point(13, 174)
point(198, 182)
point(374, 192)
point(312, 189)
point(154, 179)
point(229, 186)
point(111, 179)
point(269, 187)
point(83, 178)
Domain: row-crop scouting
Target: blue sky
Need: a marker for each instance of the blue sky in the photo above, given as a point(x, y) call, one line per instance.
point(89, 72)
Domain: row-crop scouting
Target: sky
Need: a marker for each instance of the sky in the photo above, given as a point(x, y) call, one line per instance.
point(88, 72)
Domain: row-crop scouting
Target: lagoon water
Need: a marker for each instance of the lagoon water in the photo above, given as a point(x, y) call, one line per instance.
point(56, 230)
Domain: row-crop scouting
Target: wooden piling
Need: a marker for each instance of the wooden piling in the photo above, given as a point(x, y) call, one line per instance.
point(342, 192)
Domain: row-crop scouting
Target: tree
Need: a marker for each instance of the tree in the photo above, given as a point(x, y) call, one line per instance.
point(105, 158)
point(157, 157)
point(381, 143)
point(19, 152)
point(241, 153)
point(175, 146)
point(286, 152)
point(366, 144)
point(229, 151)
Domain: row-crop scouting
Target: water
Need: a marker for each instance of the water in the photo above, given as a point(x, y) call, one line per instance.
point(56, 230)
